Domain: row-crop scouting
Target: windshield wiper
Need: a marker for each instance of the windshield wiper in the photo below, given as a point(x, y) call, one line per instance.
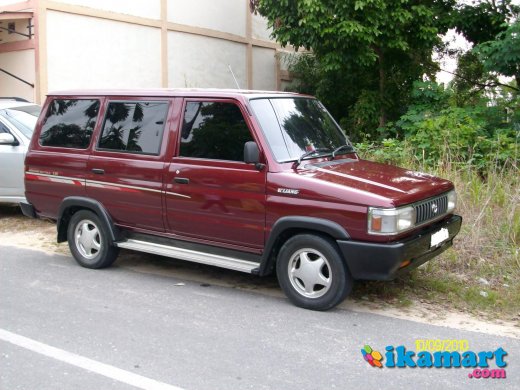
point(348, 148)
point(309, 153)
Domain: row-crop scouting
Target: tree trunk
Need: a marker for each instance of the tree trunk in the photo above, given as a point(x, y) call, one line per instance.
point(382, 87)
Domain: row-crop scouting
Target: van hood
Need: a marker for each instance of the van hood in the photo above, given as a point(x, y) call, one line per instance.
point(388, 181)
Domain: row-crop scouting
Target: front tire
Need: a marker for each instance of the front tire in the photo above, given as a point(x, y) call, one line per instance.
point(312, 272)
point(88, 241)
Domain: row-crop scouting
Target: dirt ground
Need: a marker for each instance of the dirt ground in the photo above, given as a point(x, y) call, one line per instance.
point(40, 235)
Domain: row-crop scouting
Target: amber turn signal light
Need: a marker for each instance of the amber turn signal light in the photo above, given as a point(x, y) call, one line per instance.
point(376, 223)
point(405, 263)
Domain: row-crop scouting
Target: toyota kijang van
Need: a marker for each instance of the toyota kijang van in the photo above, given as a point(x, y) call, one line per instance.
point(252, 181)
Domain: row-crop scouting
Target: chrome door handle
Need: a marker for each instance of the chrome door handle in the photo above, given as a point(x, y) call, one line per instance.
point(181, 180)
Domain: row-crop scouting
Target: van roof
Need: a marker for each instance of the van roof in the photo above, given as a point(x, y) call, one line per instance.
point(173, 92)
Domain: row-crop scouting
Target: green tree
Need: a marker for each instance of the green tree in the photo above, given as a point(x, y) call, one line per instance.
point(471, 79)
point(502, 55)
point(489, 25)
point(481, 21)
point(391, 41)
point(437, 129)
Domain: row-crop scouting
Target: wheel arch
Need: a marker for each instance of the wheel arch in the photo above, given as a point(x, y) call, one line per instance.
point(287, 227)
point(72, 204)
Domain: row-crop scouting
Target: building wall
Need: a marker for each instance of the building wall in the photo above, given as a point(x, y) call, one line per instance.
point(265, 62)
point(8, 2)
point(142, 8)
point(17, 52)
point(21, 63)
point(151, 43)
point(86, 52)
point(259, 28)
point(199, 61)
point(220, 15)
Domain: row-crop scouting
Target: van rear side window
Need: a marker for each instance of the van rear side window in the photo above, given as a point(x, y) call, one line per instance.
point(134, 127)
point(69, 123)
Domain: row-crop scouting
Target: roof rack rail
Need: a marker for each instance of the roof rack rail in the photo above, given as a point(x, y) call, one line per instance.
point(16, 99)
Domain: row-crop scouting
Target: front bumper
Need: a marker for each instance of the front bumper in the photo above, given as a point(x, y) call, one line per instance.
point(371, 261)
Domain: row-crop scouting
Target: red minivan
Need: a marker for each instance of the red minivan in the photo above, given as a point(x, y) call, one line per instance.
point(247, 180)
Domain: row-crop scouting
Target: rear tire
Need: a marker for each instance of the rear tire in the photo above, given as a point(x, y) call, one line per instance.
point(312, 272)
point(88, 241)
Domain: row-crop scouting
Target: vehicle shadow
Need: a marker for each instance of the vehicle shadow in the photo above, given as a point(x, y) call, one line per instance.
point(205, 275)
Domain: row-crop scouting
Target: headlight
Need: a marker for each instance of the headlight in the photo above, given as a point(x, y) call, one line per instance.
point(390, 221)
point(452, 201)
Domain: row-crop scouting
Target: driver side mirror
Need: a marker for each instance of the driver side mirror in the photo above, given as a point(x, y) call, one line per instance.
point(252, 155)
point(7, 139)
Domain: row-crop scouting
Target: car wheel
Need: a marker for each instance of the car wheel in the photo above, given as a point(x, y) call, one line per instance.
point(312, 272)
point(88, 241)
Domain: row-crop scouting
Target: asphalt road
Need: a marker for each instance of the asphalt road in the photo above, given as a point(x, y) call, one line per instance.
point(67, 327)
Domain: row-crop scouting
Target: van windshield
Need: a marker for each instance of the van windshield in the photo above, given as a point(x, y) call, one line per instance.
point(295, 127)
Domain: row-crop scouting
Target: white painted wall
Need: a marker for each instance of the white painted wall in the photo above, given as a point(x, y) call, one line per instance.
point(84, 52)
point(87, 52)
point(21, 64)
point(259, 28)
point(198, 61)
point(6, 2)
point(264, 69)
point(221, 15)
point(144, 8)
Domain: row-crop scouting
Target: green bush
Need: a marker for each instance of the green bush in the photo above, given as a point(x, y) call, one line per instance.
point(435, 133)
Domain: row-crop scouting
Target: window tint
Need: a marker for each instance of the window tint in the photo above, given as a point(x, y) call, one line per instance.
point(266, 116)
point(135, 127)
point(69, 123)
point(214, 130)
point(294, 126)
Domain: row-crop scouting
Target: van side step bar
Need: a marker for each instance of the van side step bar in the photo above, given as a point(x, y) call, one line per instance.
point(189, 255)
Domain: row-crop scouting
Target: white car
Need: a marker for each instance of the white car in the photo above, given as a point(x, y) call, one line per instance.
point(17, 121)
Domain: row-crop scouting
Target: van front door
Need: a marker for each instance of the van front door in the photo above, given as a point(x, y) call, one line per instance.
point(211, 195)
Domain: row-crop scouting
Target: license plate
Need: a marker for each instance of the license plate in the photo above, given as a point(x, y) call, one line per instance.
point(439, 237)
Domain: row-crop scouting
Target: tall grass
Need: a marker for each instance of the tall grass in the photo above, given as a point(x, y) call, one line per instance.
point(482, 271)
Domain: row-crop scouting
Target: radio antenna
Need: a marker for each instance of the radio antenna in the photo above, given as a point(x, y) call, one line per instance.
point(234, 78)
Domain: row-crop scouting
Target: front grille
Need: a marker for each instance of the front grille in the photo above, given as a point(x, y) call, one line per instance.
point(431, 209)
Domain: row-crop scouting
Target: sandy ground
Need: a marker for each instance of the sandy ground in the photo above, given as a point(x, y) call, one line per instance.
point(17, 230)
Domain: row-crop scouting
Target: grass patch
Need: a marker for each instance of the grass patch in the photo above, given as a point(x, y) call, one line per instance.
point(481, 273)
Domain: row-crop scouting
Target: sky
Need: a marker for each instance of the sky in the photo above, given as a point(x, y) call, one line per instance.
point(456, 41)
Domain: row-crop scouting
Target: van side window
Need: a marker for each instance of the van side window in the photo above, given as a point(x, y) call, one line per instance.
point(69, 123)
point(214, 130)
point(134, 127)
